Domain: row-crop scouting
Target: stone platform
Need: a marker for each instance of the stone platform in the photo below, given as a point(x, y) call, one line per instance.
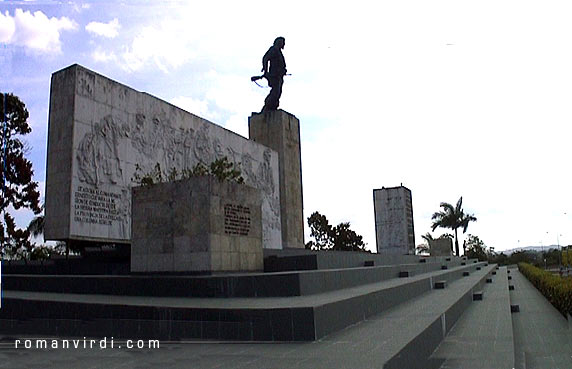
point(301, 259)
point(278, 284)
point(380, 322)
point(287, 306)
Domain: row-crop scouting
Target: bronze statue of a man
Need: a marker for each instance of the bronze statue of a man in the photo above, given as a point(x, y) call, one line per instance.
point(274, 68)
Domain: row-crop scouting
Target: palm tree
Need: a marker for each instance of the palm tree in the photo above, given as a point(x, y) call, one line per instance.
point(36, 226)
point(427, 237)
point(453, 218)
point(425, 247)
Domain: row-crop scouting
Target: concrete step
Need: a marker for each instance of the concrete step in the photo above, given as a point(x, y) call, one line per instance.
point(280, 284)
point(406, 335)
point(300, 318)
point(301, 259)
point(482, 338)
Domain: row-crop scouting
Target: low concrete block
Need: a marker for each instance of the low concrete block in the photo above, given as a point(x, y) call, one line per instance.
point(441, 247)
point(439, 285)
point(203, 226)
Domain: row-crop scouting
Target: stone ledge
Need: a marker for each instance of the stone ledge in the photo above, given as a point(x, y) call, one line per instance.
point(299, 318)
point(439, 285)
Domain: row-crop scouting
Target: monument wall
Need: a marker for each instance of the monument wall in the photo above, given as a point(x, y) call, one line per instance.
point(393, 212)
point(99, 130)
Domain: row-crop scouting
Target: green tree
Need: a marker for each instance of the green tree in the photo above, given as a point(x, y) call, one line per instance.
point(222, 169)
point(17, 188)
point(452, 218)
point(476, 248)
point(326, 237)
point(40, 253)
point(500, 259)
point(345, 239)
point(320, 230)
point(552, 257)
point(36, 225)
point(522, 256)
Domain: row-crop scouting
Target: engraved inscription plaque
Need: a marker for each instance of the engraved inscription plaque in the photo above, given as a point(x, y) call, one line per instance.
point(236, 219)
point(96, 206)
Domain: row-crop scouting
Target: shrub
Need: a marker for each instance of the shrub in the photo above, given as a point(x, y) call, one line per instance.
point(556, 289)
point(222, 169)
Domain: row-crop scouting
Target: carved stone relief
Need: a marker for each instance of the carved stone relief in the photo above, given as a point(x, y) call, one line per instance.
point(98, 152)
point(86, 84)
point(202, 145)
point(106, 156)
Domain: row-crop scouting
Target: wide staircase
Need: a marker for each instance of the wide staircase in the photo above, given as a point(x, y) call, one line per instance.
point(420, 313)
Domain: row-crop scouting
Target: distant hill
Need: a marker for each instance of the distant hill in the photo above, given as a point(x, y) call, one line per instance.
point(530, 248)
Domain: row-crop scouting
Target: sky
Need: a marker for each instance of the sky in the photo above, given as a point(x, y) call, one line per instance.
point(450, 98)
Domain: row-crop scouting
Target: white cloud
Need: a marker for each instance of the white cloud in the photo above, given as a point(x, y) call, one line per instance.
point(189, 33)
point(108, 30)
point(34, 31)
point(225, 103)
point(78, 8)
point(195, 106)
point(7, 27)
point(166, 46)
point(101, 56)
point(237, 123)
point(234, 93)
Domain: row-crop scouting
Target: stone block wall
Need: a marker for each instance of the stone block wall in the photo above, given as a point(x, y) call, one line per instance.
point(196, 225)
point(441, 247)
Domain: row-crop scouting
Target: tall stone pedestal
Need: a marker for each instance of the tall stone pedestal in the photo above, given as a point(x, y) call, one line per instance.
point(280, 131)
